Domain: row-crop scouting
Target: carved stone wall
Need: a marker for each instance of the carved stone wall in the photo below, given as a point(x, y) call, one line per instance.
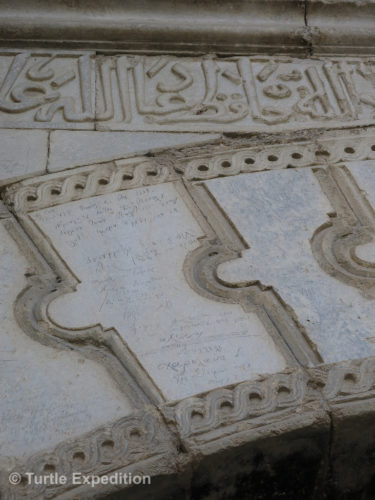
point(188, 261)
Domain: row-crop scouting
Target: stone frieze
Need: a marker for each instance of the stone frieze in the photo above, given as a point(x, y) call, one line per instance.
point(82, 90)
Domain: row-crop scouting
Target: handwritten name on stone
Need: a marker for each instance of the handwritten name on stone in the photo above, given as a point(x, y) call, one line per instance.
point(290, 206)
point(128, 251)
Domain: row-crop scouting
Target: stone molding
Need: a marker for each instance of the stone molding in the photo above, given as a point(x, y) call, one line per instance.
point(86, 91)
point(294, 399)
point(228, 416)
point(253, 26)
point(260, 402)
point(109, 178)
point(140, 440)
point(54, 189)
point(352, 224)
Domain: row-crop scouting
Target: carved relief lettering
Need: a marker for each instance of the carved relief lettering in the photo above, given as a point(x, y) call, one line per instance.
point(53, 90)
point(124, 92)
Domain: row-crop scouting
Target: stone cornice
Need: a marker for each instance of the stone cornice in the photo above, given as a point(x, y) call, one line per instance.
point(238, 26)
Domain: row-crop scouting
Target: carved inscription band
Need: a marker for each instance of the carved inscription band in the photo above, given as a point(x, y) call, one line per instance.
point(80, 90)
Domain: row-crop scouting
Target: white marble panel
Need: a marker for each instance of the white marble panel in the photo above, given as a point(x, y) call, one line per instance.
point(364, 175)
point(23, 153)
point(70, 149)
point(46, 395)
point(128, 250)
point(277, 213)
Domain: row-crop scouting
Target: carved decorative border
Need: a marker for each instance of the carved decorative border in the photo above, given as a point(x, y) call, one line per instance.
point(352, 224)
point(83, 90)
point(250, 400)
point(130, 440)
point(342, 148)
point(55, 189)
point(87, 182)
point(293, 398)
point(252, 405)
point(259, 403)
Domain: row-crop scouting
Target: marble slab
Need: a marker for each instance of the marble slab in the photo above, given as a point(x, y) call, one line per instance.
point(70, 149)
point(278, 213)
point(364, 175)
point(47, 395)
point(23, 154)
point(80, 90)
point(128, 251)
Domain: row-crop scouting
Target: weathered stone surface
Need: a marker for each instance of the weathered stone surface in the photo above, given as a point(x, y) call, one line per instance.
point(178, 27)
point(193, 235)
point(290, 207)
point(138, 443)
point(364, 174)
point(43, 89)
point(241, 26)
point(78, 90)
point(71, 149)
point(192, 313)
point(243, 94)
point(23, 153)
point(355, 28)
point(46, 395)
point(128, 250)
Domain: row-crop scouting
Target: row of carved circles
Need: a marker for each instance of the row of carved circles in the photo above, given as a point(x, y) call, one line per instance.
point(295, 156)
point(98, 454)
point(255, 401)
point(94, 183)
point(228, 405)
point(129, 176)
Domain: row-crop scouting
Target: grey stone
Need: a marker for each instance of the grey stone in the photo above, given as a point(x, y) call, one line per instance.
point(290, 207)
point(128, 250)
point(47, 89)
point(71, 149)
point(188, 305)
point(46, 395)
point(23, 153)
point(242, 26)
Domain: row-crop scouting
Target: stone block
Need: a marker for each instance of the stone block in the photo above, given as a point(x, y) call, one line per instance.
point(46, 395)
point(132, 280)
point(23, 153)
point(47, 89)
point(72, 149)
point(292, 252)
